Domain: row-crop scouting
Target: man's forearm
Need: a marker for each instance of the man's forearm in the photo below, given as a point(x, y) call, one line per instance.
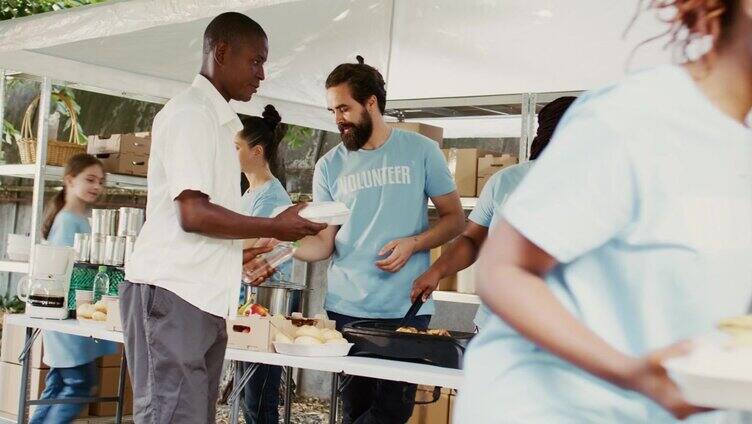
point(447, 227)
point(460, 254)
point(215, 221)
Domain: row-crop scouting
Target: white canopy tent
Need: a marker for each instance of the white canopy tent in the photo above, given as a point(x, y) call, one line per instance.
point(150, 49)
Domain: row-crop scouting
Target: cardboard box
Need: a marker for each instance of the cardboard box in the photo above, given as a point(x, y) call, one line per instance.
point(10, 381)
point(125, 163)
point(463, 164)
point(466, 280)
point(432, 413)
point(108, 385)
point(257, 333)
point(448, 283)
point(137, 144)
point(480, 184)
point(489, 165)
point(114, 323)
point(111, 361)
point(13, 340)
point(434, 133)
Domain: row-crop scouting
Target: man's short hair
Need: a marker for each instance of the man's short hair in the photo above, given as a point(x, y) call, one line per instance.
point(364, 81)
point(230, 27)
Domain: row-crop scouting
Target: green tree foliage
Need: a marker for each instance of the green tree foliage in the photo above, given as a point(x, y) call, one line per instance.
point(10, 9)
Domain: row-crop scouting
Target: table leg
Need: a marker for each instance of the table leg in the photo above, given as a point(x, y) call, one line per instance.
point(334, 400)
point(235, 402)
point(24, 392)
point(288, 395)
point(121, 390)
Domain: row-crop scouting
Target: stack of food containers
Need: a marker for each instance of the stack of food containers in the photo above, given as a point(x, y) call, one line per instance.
point(129, 225)
point(113, 235)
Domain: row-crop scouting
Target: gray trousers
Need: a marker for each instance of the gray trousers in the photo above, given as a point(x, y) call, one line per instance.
point(175, 353)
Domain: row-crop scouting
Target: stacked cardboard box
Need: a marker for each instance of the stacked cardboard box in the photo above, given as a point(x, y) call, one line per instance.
point(109, 374)
point(439, 412)
point(434, 133)
point(13, 341)
point(463, 164)
point(489, 165)
point(122, 153)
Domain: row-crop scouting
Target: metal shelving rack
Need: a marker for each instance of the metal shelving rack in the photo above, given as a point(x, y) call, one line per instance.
point(40, 172)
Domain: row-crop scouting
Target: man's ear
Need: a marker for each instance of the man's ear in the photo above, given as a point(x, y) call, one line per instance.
point(220, 52)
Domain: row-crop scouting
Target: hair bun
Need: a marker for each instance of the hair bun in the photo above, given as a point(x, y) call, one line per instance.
point(360, 59)
point(271, 117)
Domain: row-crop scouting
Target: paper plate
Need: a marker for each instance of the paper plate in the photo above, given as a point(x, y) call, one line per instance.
point(322, 350)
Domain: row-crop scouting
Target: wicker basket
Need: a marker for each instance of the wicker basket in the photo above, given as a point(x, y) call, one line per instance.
point(58, 152)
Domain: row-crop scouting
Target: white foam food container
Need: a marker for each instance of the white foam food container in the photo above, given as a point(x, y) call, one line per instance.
point(322, 350)
point(714, 376)
point(330, 213)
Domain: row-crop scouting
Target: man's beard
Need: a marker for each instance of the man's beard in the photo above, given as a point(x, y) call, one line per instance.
point(358, 134)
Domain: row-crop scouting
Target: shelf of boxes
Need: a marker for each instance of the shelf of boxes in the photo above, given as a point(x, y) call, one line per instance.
point(55, 173)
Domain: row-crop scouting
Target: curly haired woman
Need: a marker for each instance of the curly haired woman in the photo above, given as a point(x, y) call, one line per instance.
point(632, 234)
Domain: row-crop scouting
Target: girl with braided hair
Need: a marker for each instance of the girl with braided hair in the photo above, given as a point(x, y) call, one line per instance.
point(631, 235)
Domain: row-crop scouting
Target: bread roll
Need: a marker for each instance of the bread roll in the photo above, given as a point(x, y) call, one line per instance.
point(336, 341)
point(307, 340)
point(101, 306)
point(85, 311)
point(99, 316)
point(282, 338)
point(308, 330)
point(329, 334)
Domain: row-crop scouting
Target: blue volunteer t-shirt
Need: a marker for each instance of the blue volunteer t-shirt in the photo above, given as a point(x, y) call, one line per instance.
point(261, 202)
point(387, 191)
point(487, 211)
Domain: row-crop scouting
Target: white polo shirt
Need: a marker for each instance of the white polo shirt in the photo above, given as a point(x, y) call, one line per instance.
point(192, 149)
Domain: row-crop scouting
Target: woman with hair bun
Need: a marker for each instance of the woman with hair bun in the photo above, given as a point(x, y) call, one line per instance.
point(631, 235)
point(257, 145)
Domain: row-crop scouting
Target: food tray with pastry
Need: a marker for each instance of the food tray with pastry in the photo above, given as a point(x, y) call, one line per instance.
point(92, 315)
point(439, 347)
point(718, 371)
point(255, 329)
point(309, 340)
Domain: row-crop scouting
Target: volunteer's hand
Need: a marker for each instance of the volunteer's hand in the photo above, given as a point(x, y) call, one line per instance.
point(401, 251)
point(252, 262)
point(426, 284)
point(650, 378)
point(291, 227)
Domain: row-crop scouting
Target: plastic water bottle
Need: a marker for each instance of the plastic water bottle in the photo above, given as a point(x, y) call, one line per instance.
point(280, 254)
point(101, 283)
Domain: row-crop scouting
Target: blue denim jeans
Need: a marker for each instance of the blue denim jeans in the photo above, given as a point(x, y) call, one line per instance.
point(62, 383)
point(261, 394)
point(372, 401)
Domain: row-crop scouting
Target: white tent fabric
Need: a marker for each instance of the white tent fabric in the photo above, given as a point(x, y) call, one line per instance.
point(424, 48)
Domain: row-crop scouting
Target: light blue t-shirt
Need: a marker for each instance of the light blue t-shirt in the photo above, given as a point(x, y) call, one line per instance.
point(261, 203)
point(387, 190)
point(646, 207)
point(487, 213)
point(65, 350)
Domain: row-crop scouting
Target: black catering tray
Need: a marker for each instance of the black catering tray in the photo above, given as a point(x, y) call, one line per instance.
point(381, 340)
